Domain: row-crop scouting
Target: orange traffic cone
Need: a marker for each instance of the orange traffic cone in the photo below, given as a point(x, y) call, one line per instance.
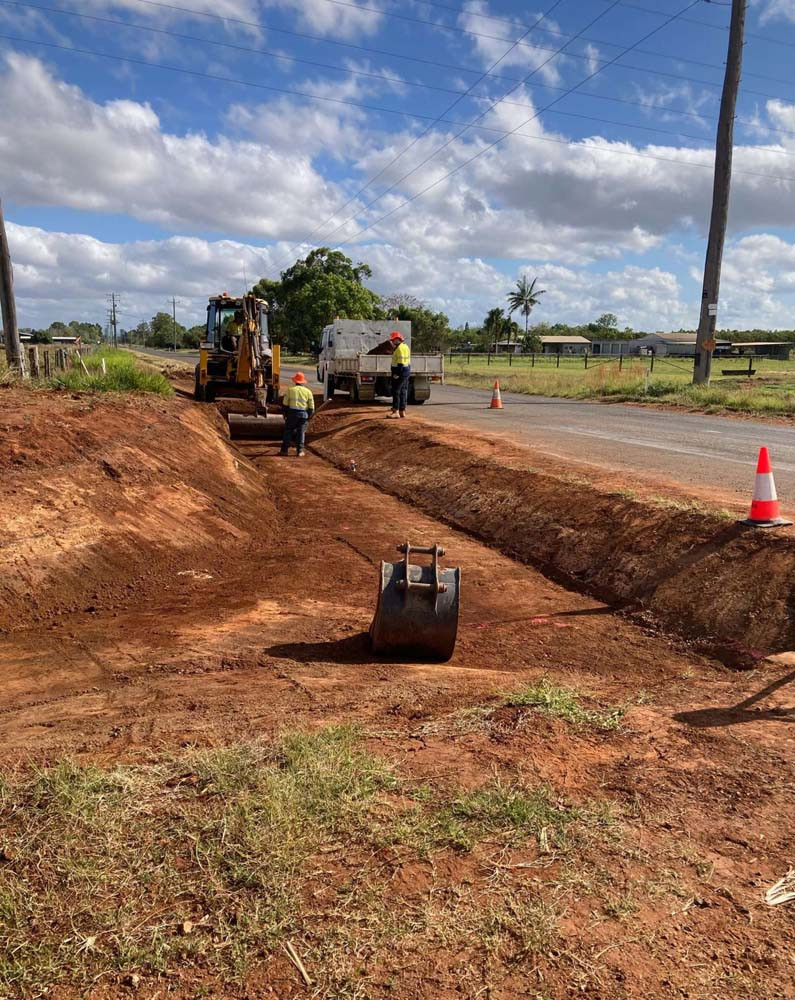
point(764, 506)
point(496, 398)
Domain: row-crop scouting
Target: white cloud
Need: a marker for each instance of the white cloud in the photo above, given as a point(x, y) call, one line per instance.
point(115, 157)
point(490, 45)
point(340, 20)
point(67, 275)
point(775, 10)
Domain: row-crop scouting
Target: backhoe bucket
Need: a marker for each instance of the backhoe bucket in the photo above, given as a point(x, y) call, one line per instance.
point(417, 609)
point(255, 428)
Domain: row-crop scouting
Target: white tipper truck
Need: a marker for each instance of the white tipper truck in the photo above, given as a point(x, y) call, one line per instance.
point(345, 361)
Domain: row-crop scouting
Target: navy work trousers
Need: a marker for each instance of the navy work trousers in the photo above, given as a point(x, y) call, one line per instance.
point(400, 387)
point(295, 422)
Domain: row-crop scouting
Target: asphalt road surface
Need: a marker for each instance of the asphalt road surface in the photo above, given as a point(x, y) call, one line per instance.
point(689, 448)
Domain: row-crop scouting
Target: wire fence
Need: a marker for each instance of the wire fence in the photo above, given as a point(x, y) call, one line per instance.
point(640, 364)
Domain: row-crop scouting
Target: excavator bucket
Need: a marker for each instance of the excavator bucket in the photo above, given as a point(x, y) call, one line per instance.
point(258, 428)
point(417, 609)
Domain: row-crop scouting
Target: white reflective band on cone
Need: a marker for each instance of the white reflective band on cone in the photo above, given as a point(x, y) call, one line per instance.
point(765, 487)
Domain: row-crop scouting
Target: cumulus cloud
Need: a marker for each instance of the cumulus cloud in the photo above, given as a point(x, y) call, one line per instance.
point(116, 157)
point(68, 275)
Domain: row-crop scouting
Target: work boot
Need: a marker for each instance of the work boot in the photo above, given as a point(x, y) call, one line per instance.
point(392, 413)
point(402, 413)
point(301, 453)
point(284, 452)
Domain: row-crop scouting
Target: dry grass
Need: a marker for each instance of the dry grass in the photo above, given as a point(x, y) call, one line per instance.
point(209, 862)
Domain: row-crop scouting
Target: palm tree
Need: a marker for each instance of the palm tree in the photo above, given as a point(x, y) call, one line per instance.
point(524, 298)
point(493, 323)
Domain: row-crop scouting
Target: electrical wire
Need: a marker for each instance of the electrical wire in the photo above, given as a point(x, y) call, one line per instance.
point(496, 142)
point(424, 132)
point(416, 115)
point(182, 36)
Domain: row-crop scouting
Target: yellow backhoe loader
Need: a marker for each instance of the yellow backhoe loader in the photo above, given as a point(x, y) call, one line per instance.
point(237, 360)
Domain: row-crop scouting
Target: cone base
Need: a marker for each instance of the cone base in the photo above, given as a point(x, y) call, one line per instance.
point(777, 522)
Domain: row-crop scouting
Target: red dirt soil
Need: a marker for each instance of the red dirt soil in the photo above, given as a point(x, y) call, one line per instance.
point(161, 587)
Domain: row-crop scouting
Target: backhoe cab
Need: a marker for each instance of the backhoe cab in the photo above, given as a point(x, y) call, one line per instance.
point(236, 357)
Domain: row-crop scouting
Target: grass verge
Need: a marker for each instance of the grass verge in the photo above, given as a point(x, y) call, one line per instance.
point(773, 396)
point(123, 373)
point(211, 861)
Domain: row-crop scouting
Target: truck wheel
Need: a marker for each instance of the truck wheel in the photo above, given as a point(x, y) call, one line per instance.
point(416, 402)
point(331, 387)
point(412, 398)
point(355, 392)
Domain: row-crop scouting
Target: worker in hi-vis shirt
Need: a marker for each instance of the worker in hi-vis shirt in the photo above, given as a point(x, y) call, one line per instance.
point(299, 405)
point(401, 371)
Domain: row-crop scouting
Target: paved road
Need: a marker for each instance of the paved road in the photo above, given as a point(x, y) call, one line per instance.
point(705, 451)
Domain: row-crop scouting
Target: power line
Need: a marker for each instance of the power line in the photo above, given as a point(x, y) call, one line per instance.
point(575, 144)
point(417, 138)
point(394, 55)
point(416, 115)
point(496, 142)
point(381, 76)
point(452, 139)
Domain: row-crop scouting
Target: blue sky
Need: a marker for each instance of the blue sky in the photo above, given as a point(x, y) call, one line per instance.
point(220, 140)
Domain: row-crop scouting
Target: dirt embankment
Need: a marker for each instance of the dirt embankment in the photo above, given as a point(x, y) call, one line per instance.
point(695, 572)
point(111, 498)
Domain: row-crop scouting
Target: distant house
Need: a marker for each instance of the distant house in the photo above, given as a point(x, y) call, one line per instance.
point(67, 340)
point(778, 349)
point(565, 345)
point(508, 347)
point(675, 345)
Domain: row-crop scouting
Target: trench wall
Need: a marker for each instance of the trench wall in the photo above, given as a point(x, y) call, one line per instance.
point(699, 575)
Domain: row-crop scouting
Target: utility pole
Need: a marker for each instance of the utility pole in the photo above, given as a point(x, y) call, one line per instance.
point(113, 319)
point(174, 319)
point(8, 307)
point(705, 338)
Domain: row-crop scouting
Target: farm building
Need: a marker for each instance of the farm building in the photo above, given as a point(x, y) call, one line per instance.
point(565, 345)
point(681, 345)
point(612, 347)
point(778, 349)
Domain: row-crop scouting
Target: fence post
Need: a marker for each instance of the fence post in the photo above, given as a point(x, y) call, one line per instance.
point(557, 364)
point(469, 357)
point(33, 354)
point(47, 364)
point(620, 360)
point(510, 358)
point(488, 357)
point(533, 360)
point(586, 360)
point(750, 359)
point(651, 366)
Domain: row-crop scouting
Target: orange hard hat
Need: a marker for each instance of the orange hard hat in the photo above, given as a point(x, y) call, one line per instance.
point(299, 378)
point(396, 335)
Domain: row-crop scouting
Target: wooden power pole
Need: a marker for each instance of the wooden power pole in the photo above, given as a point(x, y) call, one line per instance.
point(174, 320)
point(14, 356)
point(705, 338)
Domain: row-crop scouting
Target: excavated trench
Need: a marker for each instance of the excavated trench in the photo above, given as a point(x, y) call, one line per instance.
point(697, 573)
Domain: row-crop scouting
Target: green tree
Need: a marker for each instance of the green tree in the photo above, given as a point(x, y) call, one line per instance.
point(193, 336)
point(312, 293)
point(523, 298)
point(493, 324)
point(430, 331)
point(162, 330)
